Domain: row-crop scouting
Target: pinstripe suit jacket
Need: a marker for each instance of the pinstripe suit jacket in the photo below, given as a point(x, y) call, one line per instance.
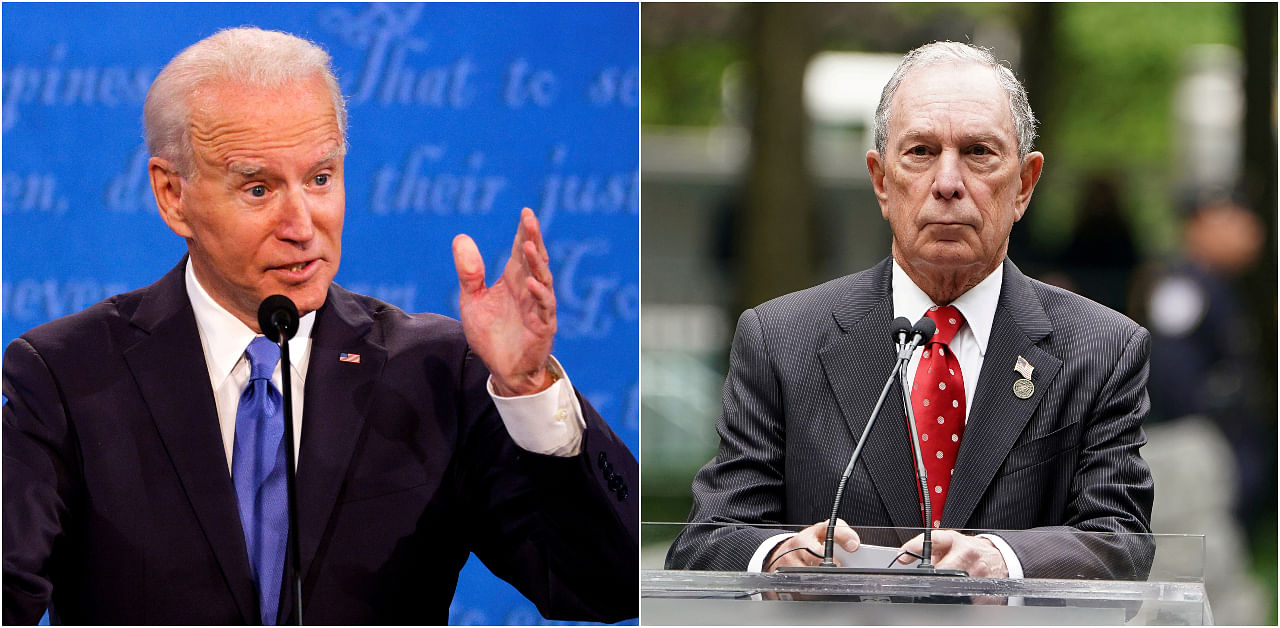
point(805, 371)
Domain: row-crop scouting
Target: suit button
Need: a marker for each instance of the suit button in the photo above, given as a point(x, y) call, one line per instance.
point(602, 460)
point(608, 470)
point(622, 493)
point(614, 482)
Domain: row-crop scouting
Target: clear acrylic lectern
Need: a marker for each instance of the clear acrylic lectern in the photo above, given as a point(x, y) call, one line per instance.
point(1171, 593)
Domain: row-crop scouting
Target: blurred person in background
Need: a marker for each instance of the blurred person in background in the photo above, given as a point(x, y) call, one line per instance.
point(1206, 436)
point(1204, 346)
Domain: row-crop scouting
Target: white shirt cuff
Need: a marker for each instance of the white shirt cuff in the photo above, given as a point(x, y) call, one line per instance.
point(757, 559)
point(1011, 562)
point(548, 422)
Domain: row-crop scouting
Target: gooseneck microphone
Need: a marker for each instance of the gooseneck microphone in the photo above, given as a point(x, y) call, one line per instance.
point(898, 331)
point(924, 329)
point(278, 320)
point(907, 337)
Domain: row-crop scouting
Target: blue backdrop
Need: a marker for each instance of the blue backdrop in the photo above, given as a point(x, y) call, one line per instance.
point(460, 114)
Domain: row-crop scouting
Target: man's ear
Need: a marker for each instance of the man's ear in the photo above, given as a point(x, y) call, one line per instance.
point(1029, 175)
point(166, 184)
point(875, 167)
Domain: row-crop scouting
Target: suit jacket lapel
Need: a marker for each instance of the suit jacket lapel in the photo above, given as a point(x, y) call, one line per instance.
point(169, 367)
point(338, 396)
point(997, 417)
point(857, 364)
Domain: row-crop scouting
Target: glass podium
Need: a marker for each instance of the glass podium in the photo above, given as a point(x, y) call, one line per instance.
point(1171, 593)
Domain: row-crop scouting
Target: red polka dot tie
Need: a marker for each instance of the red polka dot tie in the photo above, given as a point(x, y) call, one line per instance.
point(937, 398)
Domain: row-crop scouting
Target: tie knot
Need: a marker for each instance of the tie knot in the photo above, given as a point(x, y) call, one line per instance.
point(948, 320)
point(263, 355)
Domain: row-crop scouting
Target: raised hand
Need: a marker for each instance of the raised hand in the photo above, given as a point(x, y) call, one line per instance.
point(512, 323)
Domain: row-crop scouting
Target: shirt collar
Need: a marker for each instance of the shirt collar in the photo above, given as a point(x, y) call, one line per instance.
point(978, 304)
point(224, 337)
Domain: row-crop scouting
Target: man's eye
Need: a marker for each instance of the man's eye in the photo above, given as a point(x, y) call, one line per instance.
point(322, 179)
point(919, 150)
point(258, 191)
point(980, 150)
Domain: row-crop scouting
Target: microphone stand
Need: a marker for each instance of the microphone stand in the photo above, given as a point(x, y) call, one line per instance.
point(290, 457)
point(920, 333)
point(278, 320)
point(927, 552)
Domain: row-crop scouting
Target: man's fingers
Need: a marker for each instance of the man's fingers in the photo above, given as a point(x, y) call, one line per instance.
point(943, 541)
point(958, 553)
point(545, 297)
point(846, 537)
point(533, 231)
point(915, 546)
point(537, 264)
point(469, 263)
point(796, 551)
point(977, 556)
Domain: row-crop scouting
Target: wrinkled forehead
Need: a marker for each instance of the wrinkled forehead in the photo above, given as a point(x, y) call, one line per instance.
point(959, 92)
point(229, 120)
point(223, 101)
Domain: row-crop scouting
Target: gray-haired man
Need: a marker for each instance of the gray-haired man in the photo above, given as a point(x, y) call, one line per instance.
point(143, 453)
point(1029, 401)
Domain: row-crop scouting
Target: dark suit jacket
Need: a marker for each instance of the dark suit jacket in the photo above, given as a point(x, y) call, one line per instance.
point(118, 507)
point(804, 374)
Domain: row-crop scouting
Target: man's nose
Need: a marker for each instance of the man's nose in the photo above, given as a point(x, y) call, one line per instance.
point(293, 219)
point(948, 183)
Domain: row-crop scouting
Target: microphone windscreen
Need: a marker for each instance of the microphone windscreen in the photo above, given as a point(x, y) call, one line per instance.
point(898, 327)
point(273, 311)
point(926, 328)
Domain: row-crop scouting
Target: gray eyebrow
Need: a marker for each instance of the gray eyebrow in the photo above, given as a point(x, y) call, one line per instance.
point(248, 170)
point(332, 154)
point(989, 138)
point(244, 170)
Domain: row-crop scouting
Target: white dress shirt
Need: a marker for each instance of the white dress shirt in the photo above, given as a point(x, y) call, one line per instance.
point(978, 306)
point(549, 422)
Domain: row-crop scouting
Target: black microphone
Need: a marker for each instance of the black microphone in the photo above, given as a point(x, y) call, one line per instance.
point(919, 333)
point(278, 311)
point(901, 327)
point(278, 319)
point(924, 329)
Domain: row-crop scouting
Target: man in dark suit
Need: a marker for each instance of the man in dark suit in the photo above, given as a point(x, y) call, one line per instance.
point(420, 440)
point(1028, 402)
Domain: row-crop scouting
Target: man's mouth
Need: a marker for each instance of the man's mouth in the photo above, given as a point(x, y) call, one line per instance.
point(947, 224)
point(295, 268)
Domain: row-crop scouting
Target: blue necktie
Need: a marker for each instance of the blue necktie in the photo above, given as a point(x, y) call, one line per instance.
point(258, 468)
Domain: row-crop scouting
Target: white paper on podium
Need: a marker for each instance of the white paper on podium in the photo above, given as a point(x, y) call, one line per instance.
point(877, 556)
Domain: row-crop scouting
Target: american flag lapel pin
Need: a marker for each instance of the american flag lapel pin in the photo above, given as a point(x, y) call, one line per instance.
point(350, 358)
point(1023, 388)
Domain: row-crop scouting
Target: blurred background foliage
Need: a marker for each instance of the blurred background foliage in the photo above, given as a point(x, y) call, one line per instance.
point(748, 193)
point(1103, 58)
